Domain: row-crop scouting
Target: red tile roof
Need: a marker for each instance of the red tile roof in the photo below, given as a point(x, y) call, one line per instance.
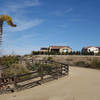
point(90, 47)
point(44, 48)
point(59, 47)
point(98, 47)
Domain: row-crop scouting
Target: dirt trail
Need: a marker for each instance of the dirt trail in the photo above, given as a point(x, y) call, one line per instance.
point(81, 84)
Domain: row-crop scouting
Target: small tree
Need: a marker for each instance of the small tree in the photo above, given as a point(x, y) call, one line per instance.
point(9, 21)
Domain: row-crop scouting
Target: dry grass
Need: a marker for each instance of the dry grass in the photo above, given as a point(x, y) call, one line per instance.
point(83, 61)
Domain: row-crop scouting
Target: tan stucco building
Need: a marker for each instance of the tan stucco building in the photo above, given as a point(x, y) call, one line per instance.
point(44, 49)
point(61, 49)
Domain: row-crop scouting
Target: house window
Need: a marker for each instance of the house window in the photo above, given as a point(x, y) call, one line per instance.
point(65, 50)
point(89, 50)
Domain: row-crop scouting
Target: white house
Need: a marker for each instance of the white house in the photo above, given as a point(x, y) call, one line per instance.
point(93, 49)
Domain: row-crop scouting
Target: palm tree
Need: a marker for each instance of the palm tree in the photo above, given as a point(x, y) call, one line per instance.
point(9, 21)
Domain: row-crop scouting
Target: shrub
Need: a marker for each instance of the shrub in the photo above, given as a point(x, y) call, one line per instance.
point(15, 69)
point(44, 68)
point(50, 58)
point(82, 63)
point(86, 53)
point(9, 60)
point(95, 63)
point(35, 52)
point(33, 67)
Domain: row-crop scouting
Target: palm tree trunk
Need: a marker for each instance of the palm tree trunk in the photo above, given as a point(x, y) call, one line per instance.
point(1, 24)
point(1, 30)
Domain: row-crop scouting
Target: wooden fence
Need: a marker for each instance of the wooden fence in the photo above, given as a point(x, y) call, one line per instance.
point(34, 78)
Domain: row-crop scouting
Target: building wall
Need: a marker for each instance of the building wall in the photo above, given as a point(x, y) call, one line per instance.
point(61, 50)
point(57, 49)
point(65, 49)
point(43, 50)
point(93, 49)
point(50, 49)
point(99, 49)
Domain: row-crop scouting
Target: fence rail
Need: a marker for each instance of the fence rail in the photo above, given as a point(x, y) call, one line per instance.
point(28, 80)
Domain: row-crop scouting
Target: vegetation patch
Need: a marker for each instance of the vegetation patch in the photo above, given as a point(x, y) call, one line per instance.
point(8, 60)
point(15, 69)
point(95, 63)
point(82, 63)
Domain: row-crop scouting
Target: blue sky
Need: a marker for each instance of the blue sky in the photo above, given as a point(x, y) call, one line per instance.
point(41, 23)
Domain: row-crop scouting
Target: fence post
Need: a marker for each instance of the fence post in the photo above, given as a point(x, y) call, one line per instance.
point(61, 70)
point(57, 72)
point(15, 83)
point(41, 73)
point(67, 69)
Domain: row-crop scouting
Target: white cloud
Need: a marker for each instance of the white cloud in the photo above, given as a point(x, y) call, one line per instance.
point(62, 26)
point(68, 10)
point(16, 8)
point(62, 12)
point(13, 5)
point(76, 20)
point(23, 25)
point(27, 37)
point(19, 50)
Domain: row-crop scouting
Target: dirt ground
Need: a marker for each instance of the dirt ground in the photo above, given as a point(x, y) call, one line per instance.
point(81, 84)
